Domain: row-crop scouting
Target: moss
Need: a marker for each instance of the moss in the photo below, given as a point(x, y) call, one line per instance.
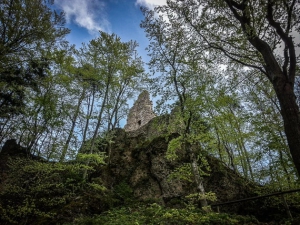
point(124, 192)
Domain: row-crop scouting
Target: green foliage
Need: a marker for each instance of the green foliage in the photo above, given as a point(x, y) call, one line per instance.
point(97, 187)
point(37, 190)
point(124, 193)
point(29, 30)
point(93, 159)
point(155, 214)
point(239, 108)
point(174, 146)
point(210, 196)
point(182, 172)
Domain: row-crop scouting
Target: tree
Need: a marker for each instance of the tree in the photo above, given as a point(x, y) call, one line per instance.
point(250, 33)
point(81, 74)
point(228, 120)
point(269, 144)
point(117, 70)
point(179, 80)
point(28, 30)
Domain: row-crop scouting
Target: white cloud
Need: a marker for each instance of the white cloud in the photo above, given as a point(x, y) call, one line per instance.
point(89, 14)
point(151, 3)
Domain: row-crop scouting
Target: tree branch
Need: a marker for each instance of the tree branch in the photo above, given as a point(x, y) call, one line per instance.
point(289, 45)
point(239, 61)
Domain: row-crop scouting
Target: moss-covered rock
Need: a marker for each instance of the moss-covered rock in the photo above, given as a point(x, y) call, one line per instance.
point(142, 163)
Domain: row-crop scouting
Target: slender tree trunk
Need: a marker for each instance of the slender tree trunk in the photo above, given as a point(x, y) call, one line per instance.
point(243, 161)
point(53, 139)
point(194, 163)
point(74, 119)
point(241, 153)
point(114, 115)
point(241, 144)
point(98, 123)
point(89, 114)
point(246, 157)
point(41, 145)
point(2, 128)
point(219, 144)
point(230, 156)
point(197, 177)
point(99, 119)
point(284, 166)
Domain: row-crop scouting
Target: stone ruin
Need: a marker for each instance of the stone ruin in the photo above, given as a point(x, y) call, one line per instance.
point(140, 113)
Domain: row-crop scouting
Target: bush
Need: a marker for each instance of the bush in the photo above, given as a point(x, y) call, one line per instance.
point(155, 214)
point(36, 190)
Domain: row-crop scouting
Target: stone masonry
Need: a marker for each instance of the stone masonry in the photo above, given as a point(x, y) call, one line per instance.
point(140, 113)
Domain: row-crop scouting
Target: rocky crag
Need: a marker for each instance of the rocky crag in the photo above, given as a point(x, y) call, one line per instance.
point(142, 164)
point(138, 157)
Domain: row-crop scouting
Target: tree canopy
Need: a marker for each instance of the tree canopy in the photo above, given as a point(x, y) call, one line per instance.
point(259, 36)
point(29, 31)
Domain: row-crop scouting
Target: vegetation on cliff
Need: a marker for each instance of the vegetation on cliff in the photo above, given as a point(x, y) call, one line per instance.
point(138, 184)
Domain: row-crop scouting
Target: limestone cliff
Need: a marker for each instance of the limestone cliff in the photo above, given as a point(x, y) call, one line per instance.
point(141, 163)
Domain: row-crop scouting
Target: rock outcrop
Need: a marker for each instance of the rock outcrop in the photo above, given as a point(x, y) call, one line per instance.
point(142, 164)
point(11, 147)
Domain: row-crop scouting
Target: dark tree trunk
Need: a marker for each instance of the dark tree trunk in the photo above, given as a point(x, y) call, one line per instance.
point(290, 114)
point(282, 76)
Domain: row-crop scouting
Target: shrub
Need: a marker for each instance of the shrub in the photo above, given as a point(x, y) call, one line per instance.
point(36, 190)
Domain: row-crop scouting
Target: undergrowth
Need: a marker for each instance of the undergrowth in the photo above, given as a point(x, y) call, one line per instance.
point(155, 214)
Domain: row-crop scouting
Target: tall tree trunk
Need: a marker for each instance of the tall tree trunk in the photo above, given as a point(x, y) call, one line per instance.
point(74, 119)
point(230, 156)
point(290, 114)
point(282, 76)
point(89, 114)
point(2, 128)
point(194, 163)
point(219, 144)
point(197, 177)
point(242, 160)
point(98, 123)
point(41, 145)
point(113, 118)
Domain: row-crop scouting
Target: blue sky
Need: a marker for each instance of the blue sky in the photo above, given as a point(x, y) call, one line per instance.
point(122, 17)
